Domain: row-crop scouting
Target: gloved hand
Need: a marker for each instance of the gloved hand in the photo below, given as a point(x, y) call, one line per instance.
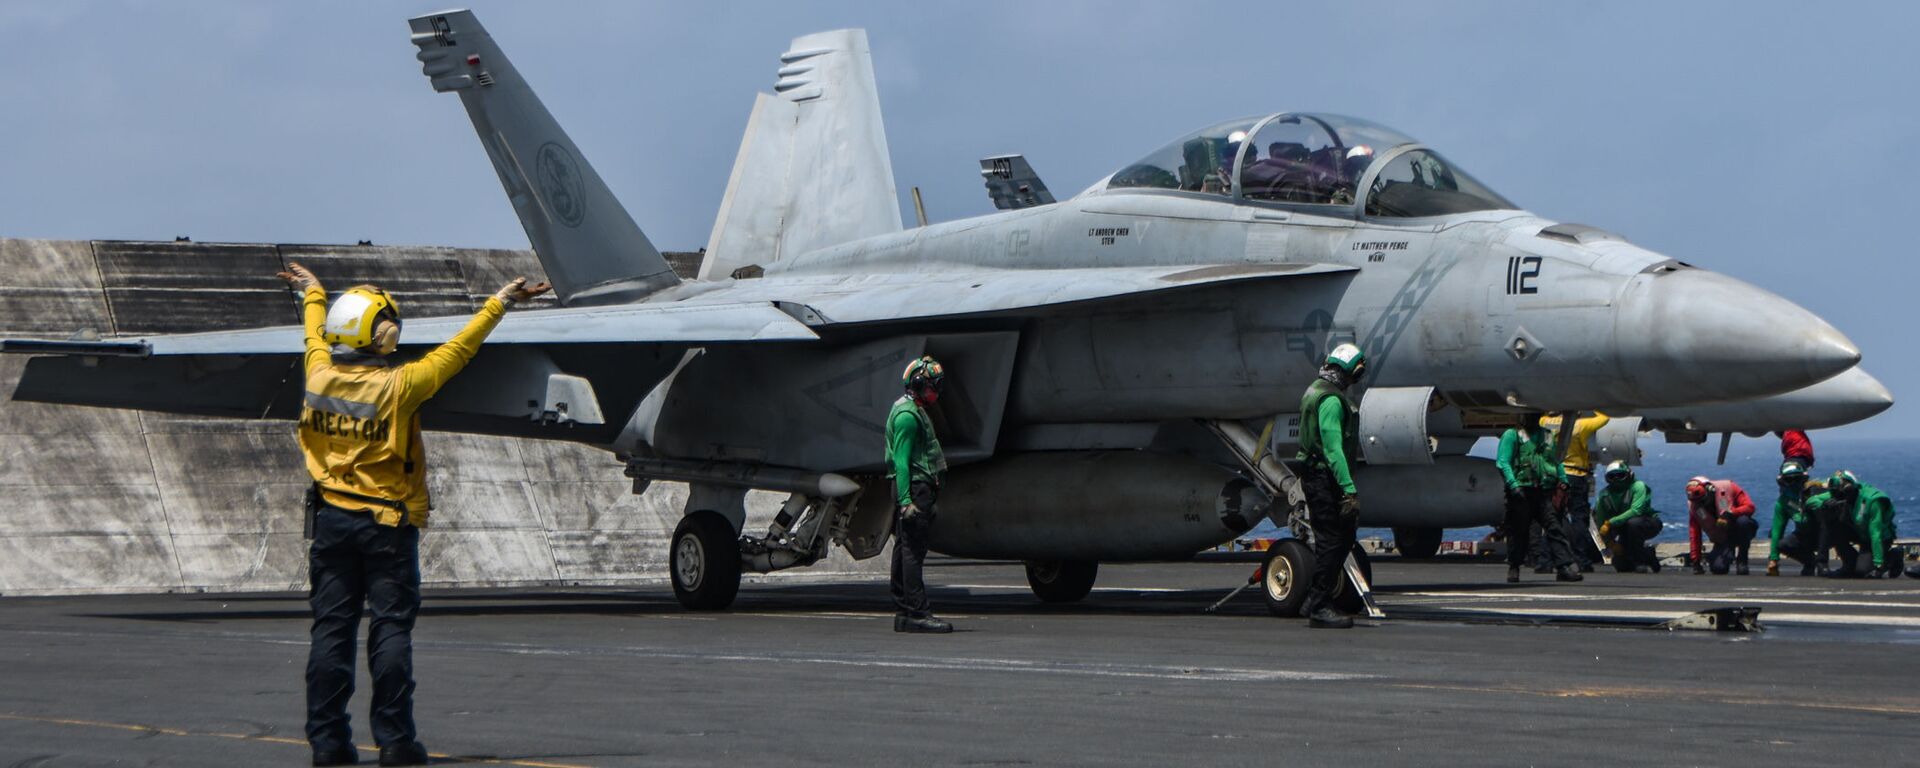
point(298, 278)
point(912, 512)
point(1773, 567)
point(1724, 519)
point(517, 290)
point(1350, 507)
point(1605, 529)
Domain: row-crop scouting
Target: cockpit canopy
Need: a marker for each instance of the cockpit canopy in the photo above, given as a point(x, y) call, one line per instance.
point(1311, 159)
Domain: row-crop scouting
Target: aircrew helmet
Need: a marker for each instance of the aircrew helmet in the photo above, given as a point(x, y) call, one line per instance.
point(1698, 487)
point(923, 372)
point(1792, 471)
point(352, 318)
point(1843, 484)
point(1349, 358)
point(1618, 471)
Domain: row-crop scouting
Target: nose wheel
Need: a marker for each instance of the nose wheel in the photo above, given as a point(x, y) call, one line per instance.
point(1289, 566)
point(704, 559)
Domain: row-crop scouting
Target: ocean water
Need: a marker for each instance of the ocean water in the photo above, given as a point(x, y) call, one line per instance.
point(1892, 465)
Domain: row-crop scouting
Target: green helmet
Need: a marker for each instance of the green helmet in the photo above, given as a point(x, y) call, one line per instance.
point(924, 371)
point(1792, 471)
point(1349, 358)
point(1843, 483)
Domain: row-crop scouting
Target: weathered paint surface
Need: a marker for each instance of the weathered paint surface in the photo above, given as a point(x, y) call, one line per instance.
point(103, 500)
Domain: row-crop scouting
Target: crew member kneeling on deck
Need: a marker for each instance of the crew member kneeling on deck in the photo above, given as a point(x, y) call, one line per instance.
point(1329, 444)
point(1627, 520)
point(360, 431)
point(1866, 518)
point(1723, 512)
point(916, 467)
point(1805, 539)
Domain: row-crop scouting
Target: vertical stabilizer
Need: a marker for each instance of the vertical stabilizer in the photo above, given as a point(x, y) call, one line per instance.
point(592, 250)
point(813, 169)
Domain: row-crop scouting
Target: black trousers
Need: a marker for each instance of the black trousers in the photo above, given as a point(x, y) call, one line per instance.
point(910, 553)
point(1733, 549)
point(1633, 536)
point(1579, 520)
point(1803, 544)
point(1333, 536)
point(1845, 542)
point(1527, 508)
point(354, 561)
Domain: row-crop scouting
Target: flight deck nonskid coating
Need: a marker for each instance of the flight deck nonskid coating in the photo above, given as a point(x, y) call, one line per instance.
point(1134, 675)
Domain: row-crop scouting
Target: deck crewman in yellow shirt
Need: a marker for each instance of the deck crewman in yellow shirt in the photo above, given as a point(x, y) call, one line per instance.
point(1578, 512)
point(360, 431)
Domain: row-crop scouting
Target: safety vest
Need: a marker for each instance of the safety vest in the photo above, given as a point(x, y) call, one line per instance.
point(362, 447)
point(1310, 438)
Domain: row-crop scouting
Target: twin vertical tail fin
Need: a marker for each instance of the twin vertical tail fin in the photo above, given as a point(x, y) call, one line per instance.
point(592, 250)
point(813, 169)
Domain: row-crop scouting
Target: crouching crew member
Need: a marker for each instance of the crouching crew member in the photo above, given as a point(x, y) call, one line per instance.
point(1805, 539)
point(1627, 520)
point(1329, 445)
point(917, 467)
point(1723, 512)
point(1532, 473)
point(1866, 519)
point(360, 431)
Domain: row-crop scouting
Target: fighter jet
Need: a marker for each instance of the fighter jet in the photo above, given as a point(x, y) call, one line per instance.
point(1111, 356)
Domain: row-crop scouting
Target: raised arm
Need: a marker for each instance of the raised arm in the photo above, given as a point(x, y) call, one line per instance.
point(424, 377)
point(313, 314)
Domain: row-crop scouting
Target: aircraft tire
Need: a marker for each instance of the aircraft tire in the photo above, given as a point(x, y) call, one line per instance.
point(704, 561)
point(1288, 568)
point(1347, 599)
point(1061, 581)
point(1417, 543)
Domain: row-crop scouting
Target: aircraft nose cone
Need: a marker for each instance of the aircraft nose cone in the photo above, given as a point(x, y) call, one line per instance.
point(1697, 336)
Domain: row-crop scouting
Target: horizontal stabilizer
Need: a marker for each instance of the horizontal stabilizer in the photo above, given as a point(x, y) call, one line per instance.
point(1012, 184)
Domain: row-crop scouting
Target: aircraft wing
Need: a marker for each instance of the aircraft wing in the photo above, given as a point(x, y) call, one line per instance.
point(625, 324)
point(559, 373)
point(879, 298)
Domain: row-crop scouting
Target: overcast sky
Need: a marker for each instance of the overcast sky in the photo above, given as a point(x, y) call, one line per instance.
point(1779, 143)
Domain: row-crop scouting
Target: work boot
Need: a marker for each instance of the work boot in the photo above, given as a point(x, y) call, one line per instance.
point(346, 755)
point(1642, 569)
point(404, 753)
point(922, 624)
point(1513, 574)
point(1740, 570)
point(1586, 567)
point(1328, 618)
point(1567, 573)
point(1699, 569)
point(1542, 569)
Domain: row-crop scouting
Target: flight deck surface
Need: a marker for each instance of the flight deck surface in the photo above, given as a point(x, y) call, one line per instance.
point(1466, 669)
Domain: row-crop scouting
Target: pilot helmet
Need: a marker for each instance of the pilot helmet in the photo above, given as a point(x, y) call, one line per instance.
point(353, 320)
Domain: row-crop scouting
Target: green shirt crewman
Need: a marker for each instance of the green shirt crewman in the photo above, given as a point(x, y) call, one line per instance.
point(1791, 506)
point(1532, 473)
point(916, 467)
point(1868, 514)
point(1627, 519)
point(1329, 445)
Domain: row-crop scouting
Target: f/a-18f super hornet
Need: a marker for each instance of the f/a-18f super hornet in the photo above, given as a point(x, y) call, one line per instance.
point(1111, 357)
